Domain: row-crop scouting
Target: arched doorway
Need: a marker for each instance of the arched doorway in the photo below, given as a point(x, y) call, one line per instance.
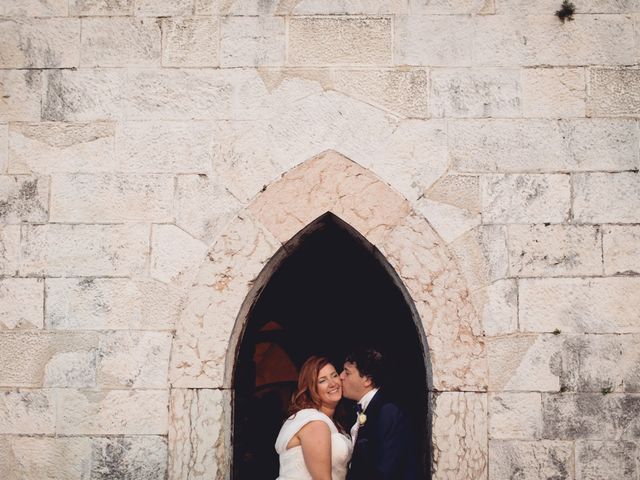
point(330, 291)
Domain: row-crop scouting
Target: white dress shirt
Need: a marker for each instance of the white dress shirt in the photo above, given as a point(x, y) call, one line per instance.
point(364, 403)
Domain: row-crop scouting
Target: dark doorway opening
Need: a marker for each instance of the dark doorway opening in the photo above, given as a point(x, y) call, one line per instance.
point(331, 291)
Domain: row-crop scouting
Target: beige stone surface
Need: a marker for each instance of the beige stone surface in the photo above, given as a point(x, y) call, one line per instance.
point(554, 250)
point(20, 95)
point(451, 7)
point(21, 303)
point(58, 250)
point(526, 7)
point(190, 42)
point(539, 459)
point(100, 7)
point(499, 40)
point(76, 369)
point(35, 8)
point(554, 92)
point(24, 198)
point(252, 41)
point(163, 8)
point(111, 304)
point(525, 198)
point(449, 221)
point(462, 191)
point(4, 147)
point(339, 41)
point(470, 93)
point(199, 439)
point(515, 415)
point(24, 411)
point(606, 197)
point(497, 307)
point(351, 7)
point(39, 43)
point(460, 448)
point(143, 457)
point(621, 249)
point(613, 459)
point(115, 412)
point(106, 198)
point(612, 92)
point(9, 249)
point(120, 42)
point(55, 147)
point(175, 255)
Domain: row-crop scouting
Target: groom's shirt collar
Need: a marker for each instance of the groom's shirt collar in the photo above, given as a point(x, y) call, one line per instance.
point(364, 401)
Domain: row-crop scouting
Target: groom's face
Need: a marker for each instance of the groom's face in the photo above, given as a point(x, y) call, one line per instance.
point(354, 385)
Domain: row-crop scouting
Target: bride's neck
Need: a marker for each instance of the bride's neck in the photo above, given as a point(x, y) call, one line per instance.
point(328, 411)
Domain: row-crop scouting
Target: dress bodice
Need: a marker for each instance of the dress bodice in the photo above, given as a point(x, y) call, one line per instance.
point(292, 466)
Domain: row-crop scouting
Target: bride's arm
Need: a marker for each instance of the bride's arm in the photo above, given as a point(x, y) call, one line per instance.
point(315, 439)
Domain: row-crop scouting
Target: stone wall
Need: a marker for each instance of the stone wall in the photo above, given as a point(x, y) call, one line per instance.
point(141, 144)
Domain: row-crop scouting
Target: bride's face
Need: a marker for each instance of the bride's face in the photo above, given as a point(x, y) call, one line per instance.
point(329, 385)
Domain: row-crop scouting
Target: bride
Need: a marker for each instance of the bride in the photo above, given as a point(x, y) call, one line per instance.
point(310, 445)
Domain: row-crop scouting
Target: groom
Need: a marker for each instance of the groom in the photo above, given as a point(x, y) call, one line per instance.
point(383, 449)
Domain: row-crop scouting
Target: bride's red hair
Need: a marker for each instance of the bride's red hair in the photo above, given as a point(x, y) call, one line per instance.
point(306, 395)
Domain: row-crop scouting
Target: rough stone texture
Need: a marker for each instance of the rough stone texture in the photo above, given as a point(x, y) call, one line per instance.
point(120, 42)
point(4, 147)
point(613, 92)
point(44, 148)
point(100, 7)
point(140, 457)
point(339, 41)
point(35, 8)
point(20, 95)
point(199, 443)
point(607, 460)
point(174, 255)
point(526, 7)
point(449, 221)
point(25, 411)
point(460, 435)
point(190, 42)
point(252, 41)
point(554, 250)
point(111, 198)
point(58, 250)
point(462, 191)
point(540, 459)
point(595, 305)
point(525, 198)
point(515, 415)
point(475, 93)
point(451, 7)
point(554, 92)
point(128, 412)
point(621, 249)
point(300, 7)
point(21, 303)
point(163, 8)
point(9, 249)
point(24, 199)
point(497, 307)
point(606, 197)
point(110, 304)
point(39, 43)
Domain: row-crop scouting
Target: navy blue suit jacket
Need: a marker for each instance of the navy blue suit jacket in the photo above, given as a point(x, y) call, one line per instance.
point(384, 448)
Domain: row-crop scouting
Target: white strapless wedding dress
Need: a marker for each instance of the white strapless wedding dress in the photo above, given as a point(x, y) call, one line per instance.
point(292, 466)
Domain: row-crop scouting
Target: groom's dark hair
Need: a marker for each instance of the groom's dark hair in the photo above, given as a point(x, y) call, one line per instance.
point(369, 362)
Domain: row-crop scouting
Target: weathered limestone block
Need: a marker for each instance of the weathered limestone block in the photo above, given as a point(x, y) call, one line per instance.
point(475, 93)
point(252, 41)
point(497, 307)
point(90, 8)
point(515, 415)
point(112, 412)
point(165, 147)
point(543, 145)
point(59, 250)
point(163, 8)
point(39, 43)
point(9, 249)
point(141, 457)
point(24, 199)
point(207, 326)
point(554, 92)
point(433, 40)
point(606, 197)
point(526, 198)
point(134, 359)
point(499, 41)
point(175, 255)
point(613, 92)
point(199, 446)
point(526, 7)
point(554, 250)
point(607, 460)
point(592, 305)
point(4, 147)
point(120, 42)
point(462, 191)
point(190, 42)
point(26, 458)
point(111, 198)
point(27, 411)
point(37, 359)
point(84, 95)
point(34, 8)
point(449, 221)
point(460, 436)
point(20, 95)
point(21, 303)
point(339, 41)
point(540, 459)
point(203, 206)
point(110, 304)
point(348, 7)
point(621, 249)
point(523, 363)
point(45, 148)
point(596, 416)
point(451, 7)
